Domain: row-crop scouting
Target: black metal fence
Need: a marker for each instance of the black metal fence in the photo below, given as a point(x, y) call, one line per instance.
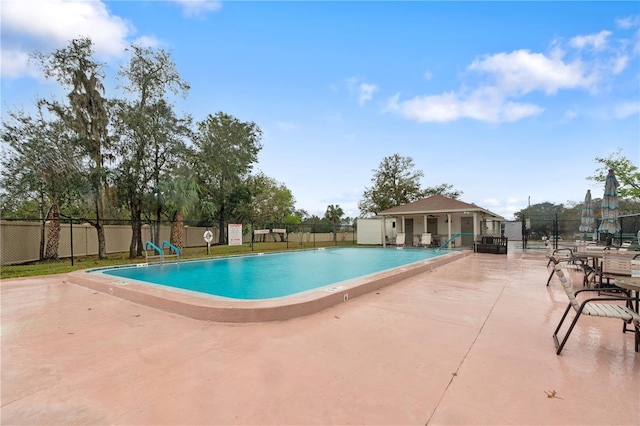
point(537, 229)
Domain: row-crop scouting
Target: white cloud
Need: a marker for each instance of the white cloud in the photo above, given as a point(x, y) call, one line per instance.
point(440, 108)
point(521, 72)
point(626, 109)
point(597, 41)
point(513, 111)
point(428, 75)
point(365, 92)
point(451, 106)
point(627, 22)
point(197, 8)
point(619, 64)
point(147, 41)
point(16, 63)
point(505, 208)
point(619, 111)
point(52, 23)
point(494, 83)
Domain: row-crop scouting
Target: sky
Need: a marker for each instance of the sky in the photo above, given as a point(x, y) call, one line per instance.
point(508, 102)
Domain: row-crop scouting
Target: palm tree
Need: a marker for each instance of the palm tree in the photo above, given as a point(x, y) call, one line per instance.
point(334, 214)
point(53, 238)
point(181, 194)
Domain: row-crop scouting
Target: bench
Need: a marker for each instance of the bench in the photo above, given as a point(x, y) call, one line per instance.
point(496, 245)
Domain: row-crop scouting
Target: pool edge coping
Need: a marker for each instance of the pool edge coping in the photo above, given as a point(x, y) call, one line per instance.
point(243, 311)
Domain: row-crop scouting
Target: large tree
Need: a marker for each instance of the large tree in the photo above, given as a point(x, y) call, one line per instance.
point(226, 149)
point(75, 69)
point(149, 134)
point(627, 173)
point(41, 165)
point(542, 217)
point(262, 201)
point(396, 182)
point(269, 202)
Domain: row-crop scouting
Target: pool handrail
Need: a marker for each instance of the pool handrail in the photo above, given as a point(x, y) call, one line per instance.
point(156, 248)
point(160, 251)
point(459, 234)
point(175, 249)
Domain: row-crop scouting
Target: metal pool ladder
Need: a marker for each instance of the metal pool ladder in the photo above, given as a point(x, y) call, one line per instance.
point(459, 234)
point(161, 255)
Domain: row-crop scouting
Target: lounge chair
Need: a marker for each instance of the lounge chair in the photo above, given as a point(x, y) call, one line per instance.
point(400, 240)
point(595, 308)
point(425, 240)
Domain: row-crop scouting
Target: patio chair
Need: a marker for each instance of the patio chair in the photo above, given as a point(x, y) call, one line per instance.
point(625, 246)
point(400, 240)
point(595, 308)
point(570, 258)
point(425, 240)
point(614, 264)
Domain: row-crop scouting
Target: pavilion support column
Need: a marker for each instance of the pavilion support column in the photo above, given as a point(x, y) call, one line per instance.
point(449, 229)
point(383, 231)
point(475, 226)
point(403, 228)
point(424, 220)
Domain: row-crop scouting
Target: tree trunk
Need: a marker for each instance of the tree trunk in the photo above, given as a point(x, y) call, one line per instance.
point(221, 239)
point(135, 247)
point(177, 230)
point(53, 236)
point(139, 231)
point(102, 246)
point(42, 225)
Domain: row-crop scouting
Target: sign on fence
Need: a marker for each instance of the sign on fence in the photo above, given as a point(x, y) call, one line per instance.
point(235, 234)
point(279, 231)
point(261, 231)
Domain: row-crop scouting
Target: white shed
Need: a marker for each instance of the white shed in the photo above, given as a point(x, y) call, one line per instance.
point(370, 231)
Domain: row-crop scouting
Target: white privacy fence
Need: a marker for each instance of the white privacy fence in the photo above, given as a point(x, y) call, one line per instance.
point(20, 240)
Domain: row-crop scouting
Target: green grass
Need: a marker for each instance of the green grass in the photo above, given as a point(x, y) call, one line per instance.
point(47, 267)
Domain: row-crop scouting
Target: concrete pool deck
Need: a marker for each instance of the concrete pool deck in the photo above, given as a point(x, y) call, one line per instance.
point(467, 343)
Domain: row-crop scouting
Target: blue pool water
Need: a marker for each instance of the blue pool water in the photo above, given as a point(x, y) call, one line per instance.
point(273, 275)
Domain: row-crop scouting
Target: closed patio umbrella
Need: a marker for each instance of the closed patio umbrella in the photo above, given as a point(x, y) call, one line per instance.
point(609, 206)
point(587, 220)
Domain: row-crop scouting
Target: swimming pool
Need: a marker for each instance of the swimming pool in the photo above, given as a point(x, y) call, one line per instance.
point(267, 276)
point(306, 301)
